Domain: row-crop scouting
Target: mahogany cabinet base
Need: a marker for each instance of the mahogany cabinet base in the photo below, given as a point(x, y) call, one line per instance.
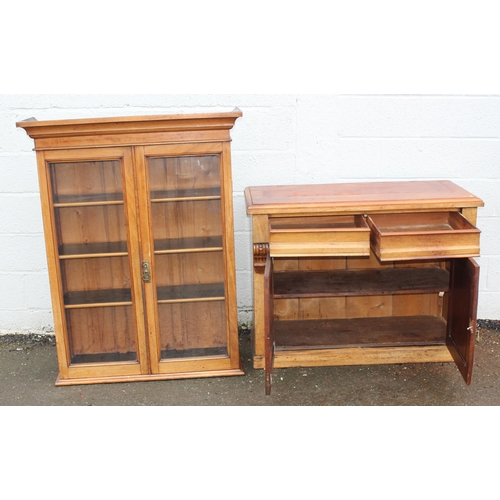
point(318, 303)
point(357, 356)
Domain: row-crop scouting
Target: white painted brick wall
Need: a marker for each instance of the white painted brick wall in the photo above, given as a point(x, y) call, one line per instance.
point(281, 139)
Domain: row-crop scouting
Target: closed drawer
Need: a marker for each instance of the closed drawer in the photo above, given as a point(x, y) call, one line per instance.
point(332, 236)
point(423, 236)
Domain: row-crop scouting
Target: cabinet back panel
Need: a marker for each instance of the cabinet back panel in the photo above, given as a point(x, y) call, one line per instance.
point(416, 305)
point(313, 308)
point(102, 330)
point(103, 273)
point(84, 179)
point(84, 225)
point(189, 269)
point(357, 306)
point(184, 173)
point(186, 219)
point(192, 326)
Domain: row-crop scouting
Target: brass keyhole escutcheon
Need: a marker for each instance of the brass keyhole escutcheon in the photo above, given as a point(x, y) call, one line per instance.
point(146, 272)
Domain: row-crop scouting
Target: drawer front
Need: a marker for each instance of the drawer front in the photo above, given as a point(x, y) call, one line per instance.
point(336, 236)
point(423, 236)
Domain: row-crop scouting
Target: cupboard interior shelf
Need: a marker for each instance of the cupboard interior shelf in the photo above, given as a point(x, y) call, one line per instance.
point(105, 357)
point(211, 352)
point(190, 293)
point(304, 284)
point(119, 248)
point(188, 245)
point(88, 200)
point(89, 250)
point(165, 294)
point(168, 354)
point(98, 298)
point(359, 332)
point(77, 200)
point(186, 195)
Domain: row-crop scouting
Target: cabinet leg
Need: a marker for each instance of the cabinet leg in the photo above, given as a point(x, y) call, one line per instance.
point(269, 377)
point(269, 365)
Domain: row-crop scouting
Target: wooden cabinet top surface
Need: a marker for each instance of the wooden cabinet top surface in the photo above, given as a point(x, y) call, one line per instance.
point(130, 130)
point(358, 197)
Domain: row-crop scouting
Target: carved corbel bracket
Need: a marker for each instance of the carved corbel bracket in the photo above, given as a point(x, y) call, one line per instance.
point(260, 254)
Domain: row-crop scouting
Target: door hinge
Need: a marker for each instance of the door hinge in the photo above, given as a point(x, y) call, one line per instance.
point(146, 272)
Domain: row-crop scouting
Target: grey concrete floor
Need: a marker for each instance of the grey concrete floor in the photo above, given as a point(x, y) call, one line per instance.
point(28, 370)
point(338, 436)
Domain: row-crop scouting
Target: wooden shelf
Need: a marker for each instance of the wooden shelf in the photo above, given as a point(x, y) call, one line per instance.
point(166, 294)
point(97, 298)
point(93, 250)
point(201, 194)
point(304, 284)
point(188, 245)
point(191, 293)
point(360, 332)
point(66, 201)
point(105, 357)
point(194, 353)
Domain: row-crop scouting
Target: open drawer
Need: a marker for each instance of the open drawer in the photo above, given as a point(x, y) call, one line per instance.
point(328, 236)
point(423, 236)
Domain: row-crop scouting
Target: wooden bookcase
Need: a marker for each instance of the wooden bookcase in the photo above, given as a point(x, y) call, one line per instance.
point(138, 220)
point(366, 273)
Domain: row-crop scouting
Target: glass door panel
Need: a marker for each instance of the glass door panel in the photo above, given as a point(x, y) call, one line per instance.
point(96, 280)
point(192, 329)
point(87, 182)
point(91, 228)
point(101, 334)
point(186, 221)
point(203, 270)
point(184, 177)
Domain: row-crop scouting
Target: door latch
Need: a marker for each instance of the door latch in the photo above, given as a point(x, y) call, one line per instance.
point(146, 272)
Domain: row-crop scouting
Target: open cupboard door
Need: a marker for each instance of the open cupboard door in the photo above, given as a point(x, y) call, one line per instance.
point(269, 315)
point(462, 320)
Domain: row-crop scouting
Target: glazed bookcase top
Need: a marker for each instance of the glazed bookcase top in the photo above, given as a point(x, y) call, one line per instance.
point(139, 233)
point(130, 130)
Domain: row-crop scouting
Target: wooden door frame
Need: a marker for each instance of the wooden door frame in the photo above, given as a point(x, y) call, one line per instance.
point(97, 370)
point(462, 314)
point(232, 362)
